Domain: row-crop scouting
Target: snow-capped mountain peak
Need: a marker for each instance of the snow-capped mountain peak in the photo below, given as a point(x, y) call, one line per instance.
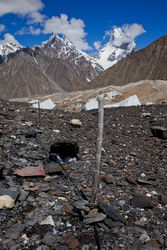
point(8, 48)
point(65, 49)
point(118, 47)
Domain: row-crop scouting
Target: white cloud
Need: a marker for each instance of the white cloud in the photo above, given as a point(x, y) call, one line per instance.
point(2, 28)
point(133, 30)
point(22, 31)
point(73, 29)
point(22, 7)
point(36, 17)
point(34, 31)
point(125, 34)
point(97, 44)
point(29, 30)
point(8, 38)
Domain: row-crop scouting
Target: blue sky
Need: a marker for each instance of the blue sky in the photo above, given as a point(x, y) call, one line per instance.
point(88, 24)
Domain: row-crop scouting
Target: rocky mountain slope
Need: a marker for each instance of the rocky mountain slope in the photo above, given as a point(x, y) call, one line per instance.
point(56, 65)
point(29, 72)
point(148, 63)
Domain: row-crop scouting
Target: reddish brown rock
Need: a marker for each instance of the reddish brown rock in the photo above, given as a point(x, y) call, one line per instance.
point(30, 171)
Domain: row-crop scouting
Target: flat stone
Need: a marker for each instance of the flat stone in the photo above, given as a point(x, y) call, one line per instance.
point(141, 201)
point(30, 172)
point(92, 213)
point(81, 204)
point(14, 231)
point(53, 167)
point(111, 212)
point(96, 218)
point(49, 239)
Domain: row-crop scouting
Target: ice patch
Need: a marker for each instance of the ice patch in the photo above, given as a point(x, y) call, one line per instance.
point(48, 104)
point(130, 101)
point(93, 103)
point(33, 101)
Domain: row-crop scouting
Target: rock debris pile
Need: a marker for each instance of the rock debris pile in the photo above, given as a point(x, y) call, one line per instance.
point(45, 196)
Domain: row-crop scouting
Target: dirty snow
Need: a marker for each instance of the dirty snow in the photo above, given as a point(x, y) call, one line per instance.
point(130, 101)
point(48, 104)
point(93, 103)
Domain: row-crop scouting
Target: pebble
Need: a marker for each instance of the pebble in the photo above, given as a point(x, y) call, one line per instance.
point(81, 204)
point(48, 221)
point(6, 202)
point(76, 123)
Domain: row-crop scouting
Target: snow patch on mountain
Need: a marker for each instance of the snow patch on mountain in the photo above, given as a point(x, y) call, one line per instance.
point(8, 48)
point(62, 48)
point(65, 49)
point(117, 48)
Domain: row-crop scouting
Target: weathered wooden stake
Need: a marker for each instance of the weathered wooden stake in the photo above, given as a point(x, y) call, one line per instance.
point(39, 113)
point(98, 150)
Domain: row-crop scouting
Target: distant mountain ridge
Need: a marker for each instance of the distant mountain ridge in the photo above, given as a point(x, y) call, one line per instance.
point(149, 63)
point(55, 65)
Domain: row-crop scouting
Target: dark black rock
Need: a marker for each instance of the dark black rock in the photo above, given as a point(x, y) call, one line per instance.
point(141, 201)
point(14, 231)
point(159, 132)
point(49, 239)
point(31, 134)
point(64, 150)
point(111, 212)
point(53, 167)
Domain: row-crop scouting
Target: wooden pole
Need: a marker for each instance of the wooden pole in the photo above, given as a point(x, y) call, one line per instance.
point(98, 150)
point(39, 113)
